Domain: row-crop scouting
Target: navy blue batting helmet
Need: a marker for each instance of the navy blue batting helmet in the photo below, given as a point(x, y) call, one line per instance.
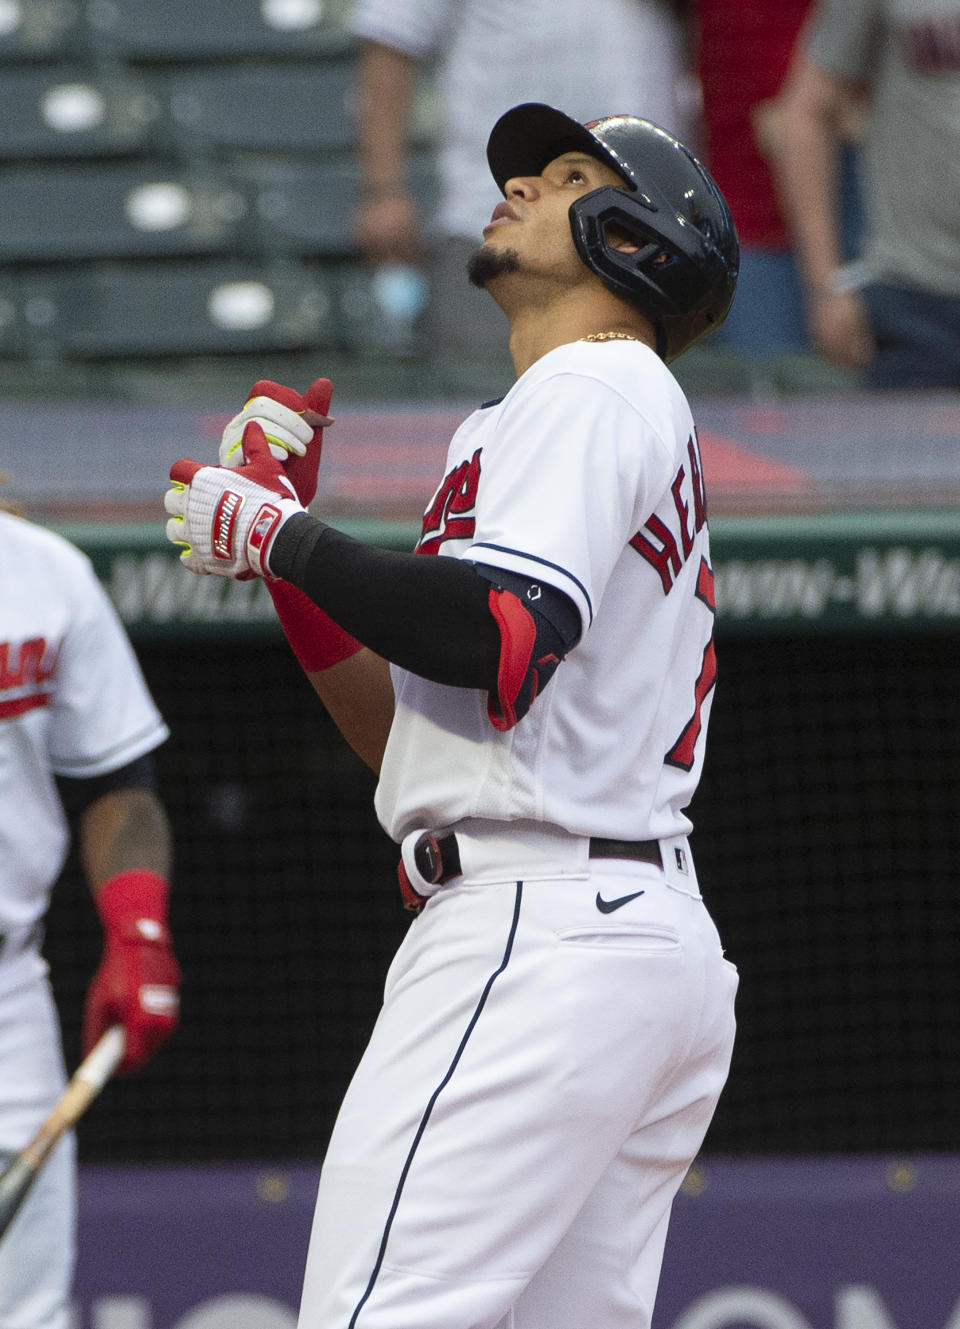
point(683, 274)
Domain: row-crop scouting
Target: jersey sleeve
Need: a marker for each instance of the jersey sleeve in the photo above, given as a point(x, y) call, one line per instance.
point(415, 27)
point(843, 38)
point(573, 467)
point(103, 715)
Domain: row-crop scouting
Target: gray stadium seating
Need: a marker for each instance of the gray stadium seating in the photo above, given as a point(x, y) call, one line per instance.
point(102, 210)
point(262, 108)
point(174, 30)
point(178, 178)
point(303, 207)
point(175, 309)
point(69, 111)
point(11, 318)
point(41, 30)
point(307, 206)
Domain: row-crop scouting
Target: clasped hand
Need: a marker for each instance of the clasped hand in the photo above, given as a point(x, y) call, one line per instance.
point(225, 518)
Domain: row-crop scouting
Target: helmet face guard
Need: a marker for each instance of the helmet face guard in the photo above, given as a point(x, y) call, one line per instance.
point(683, 274)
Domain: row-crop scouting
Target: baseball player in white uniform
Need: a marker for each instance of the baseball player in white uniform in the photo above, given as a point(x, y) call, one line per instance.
point(557, 1024)
point(77, 729)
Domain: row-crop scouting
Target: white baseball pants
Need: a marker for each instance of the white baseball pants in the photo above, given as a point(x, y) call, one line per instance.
point(37, 1254)
point(540, 1078)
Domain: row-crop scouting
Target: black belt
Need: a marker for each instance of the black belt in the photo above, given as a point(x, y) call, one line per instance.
point(438, 860)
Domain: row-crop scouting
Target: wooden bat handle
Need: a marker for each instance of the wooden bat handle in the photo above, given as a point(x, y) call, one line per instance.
point(85, 1083)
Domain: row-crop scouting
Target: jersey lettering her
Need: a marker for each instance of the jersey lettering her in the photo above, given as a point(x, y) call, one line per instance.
point(26, 667)
point(664, 551)
point(451, 514)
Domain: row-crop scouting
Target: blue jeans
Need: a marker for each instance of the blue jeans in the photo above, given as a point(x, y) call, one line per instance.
point(767, 313)
point(918, 338)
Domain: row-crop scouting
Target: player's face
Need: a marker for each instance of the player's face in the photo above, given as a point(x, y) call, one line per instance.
point(529, 231)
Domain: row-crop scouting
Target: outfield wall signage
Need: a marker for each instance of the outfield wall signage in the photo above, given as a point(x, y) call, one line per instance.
point(818, 1243)
point(836, 572)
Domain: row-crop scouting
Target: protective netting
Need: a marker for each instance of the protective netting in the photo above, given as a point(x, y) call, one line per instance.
point(827, 842)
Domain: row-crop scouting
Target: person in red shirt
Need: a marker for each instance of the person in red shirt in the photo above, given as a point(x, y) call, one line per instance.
point(744, 48)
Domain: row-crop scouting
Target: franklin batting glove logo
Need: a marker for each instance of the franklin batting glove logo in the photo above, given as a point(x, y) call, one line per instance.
point(224, 521)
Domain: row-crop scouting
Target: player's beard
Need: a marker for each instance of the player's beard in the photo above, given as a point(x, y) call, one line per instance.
point(488, 263)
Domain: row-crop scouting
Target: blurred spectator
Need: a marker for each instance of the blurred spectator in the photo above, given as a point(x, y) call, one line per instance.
point(896, 314)
point(78, 729)
point(743, 51)
point(593, 57)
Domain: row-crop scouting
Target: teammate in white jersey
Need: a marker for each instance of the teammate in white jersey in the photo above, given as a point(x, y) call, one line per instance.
point(557, 1024)
point(77, 730)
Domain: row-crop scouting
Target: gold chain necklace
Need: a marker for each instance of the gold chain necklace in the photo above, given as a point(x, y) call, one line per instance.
point(610, 336)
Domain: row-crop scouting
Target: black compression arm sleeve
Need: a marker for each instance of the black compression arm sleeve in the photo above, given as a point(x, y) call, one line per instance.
point(426, 614)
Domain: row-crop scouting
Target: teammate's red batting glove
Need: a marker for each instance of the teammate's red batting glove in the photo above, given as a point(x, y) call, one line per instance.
point(293, 426)
point(138, 981)
point(225, 520)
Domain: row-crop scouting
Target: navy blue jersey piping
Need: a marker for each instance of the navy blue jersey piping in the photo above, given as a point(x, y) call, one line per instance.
point(532, 558)
point(421, 1129)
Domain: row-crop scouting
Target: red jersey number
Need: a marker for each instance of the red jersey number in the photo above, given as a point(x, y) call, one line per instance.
point(683, 751)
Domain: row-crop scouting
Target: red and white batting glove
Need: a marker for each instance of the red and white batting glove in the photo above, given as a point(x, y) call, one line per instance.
point(225, 520)
point(138, 981)
point(293, 426)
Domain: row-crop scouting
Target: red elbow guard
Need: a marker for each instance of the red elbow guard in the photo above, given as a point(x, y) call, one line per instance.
point(522, 671)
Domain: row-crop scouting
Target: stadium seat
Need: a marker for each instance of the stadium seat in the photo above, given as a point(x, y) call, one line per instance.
point(40, 30)
point(308, 207)
point(176, 309)
point(67, 111)
point(377, 308)
point(261, 107)
point(185, 30)
point(60, 212)
point(304, 207)
point(11, 319)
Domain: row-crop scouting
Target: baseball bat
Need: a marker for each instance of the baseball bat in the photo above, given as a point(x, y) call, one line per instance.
point(85, 1083)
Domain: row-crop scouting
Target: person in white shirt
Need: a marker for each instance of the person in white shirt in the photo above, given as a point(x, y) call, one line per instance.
point(478, 58)
point(78, 728)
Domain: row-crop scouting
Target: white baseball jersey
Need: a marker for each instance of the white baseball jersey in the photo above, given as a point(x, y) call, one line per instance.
point(73, 702)
point(585, 476)
point(556, 1027)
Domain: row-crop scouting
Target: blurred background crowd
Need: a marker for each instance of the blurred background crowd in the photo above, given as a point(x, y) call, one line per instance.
point(184, 186)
